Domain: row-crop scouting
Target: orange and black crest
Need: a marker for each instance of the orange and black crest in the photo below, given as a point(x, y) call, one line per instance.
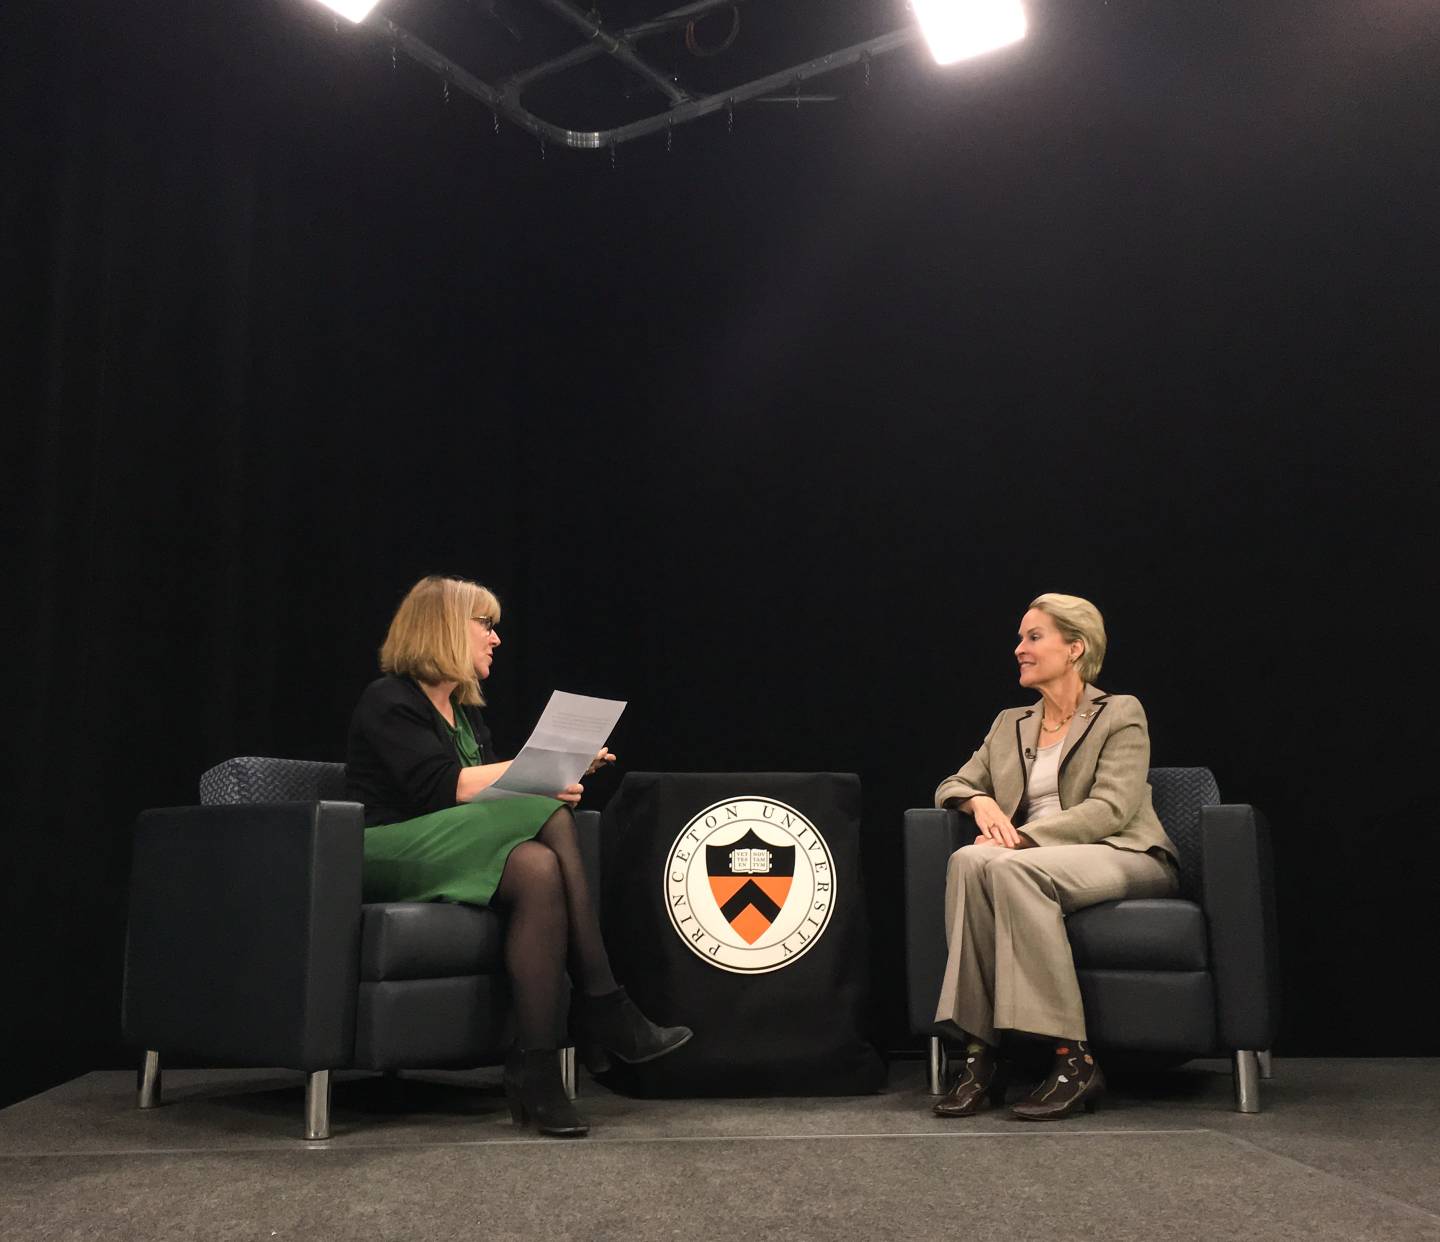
point(751, 880)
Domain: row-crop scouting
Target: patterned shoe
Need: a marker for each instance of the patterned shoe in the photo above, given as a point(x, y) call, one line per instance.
point(980, 1085)
point(1074, 1081)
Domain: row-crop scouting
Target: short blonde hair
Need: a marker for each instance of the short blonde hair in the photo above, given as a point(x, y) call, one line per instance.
point(429, 637)
point(1079, 621)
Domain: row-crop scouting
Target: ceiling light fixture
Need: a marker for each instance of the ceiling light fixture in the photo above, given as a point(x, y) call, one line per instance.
point(959, 29)
point(356, 10)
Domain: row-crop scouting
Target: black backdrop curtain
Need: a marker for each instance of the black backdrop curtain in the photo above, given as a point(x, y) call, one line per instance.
point(774, 436)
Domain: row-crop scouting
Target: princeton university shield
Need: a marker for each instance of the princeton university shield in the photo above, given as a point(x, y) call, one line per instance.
point(750, 884)
point(750, 879)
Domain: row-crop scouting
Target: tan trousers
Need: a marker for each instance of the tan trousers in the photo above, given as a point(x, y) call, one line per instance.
point(1009, 966)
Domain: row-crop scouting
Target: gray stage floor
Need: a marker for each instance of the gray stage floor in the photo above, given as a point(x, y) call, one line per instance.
point(1344, 1149)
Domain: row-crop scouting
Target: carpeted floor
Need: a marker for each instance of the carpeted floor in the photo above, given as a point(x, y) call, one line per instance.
point(1344, 1149)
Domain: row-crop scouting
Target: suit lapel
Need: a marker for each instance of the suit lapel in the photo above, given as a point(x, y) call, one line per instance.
point(1027, 734)
point(1092, 704)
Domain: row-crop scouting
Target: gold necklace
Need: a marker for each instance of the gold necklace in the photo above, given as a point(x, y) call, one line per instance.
point(1054, 728)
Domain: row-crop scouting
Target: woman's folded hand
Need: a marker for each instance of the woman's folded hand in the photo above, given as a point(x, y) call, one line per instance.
point(994, 825)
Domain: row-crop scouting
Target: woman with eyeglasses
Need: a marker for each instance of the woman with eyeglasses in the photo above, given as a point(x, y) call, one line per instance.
point(1063, 819)
point(418, 751)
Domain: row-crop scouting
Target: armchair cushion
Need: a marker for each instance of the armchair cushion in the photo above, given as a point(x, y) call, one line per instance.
point(427, 940)
point(1152, 933)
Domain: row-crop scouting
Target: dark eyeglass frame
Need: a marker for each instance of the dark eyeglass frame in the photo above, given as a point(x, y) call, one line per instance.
point(487, 622)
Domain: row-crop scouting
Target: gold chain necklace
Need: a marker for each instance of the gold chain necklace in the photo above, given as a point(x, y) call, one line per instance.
point(1056, 727)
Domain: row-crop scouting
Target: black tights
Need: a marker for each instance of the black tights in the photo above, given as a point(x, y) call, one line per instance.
point(551, 922)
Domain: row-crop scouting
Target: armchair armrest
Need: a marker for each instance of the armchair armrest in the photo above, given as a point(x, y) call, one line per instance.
point(1238, 896)
point(244, 931)
point(930, 837)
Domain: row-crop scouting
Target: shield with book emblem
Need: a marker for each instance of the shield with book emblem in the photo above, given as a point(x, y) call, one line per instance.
point(750, 878)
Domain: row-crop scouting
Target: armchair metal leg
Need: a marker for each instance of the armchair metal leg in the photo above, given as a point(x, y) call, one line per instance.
point(567, 1070)
point(1267, 1064)
point(937, 1066)
point(148, 1080)
point(317, 1105)
point(1247, 1082)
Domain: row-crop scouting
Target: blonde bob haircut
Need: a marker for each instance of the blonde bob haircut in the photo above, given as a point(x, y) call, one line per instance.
point(429, 636)
point(1079, 621)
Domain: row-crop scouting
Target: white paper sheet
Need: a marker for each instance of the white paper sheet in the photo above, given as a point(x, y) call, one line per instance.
point(570, 732)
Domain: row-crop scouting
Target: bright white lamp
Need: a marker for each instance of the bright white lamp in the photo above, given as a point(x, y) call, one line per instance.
point(355, 10)
point(956, 29)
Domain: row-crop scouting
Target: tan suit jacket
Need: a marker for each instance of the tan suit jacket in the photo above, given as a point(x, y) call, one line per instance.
point(1104, 762)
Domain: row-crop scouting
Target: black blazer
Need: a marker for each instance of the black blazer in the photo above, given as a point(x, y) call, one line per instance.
point(399, 758)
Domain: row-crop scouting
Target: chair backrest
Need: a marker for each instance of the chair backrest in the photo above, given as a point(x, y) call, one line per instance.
point(1178, 794)
point(250, 778)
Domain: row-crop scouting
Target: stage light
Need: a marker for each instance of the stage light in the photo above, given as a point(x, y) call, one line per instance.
point(957, 29)
point(355, 10)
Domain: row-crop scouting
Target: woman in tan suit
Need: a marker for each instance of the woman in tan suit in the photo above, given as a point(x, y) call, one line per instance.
point(1059, 797)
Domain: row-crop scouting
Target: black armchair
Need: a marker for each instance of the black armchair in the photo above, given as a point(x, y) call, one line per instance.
point(249, 945)
point(1193, 975)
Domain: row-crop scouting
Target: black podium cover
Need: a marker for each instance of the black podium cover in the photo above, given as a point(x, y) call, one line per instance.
point(733, 903)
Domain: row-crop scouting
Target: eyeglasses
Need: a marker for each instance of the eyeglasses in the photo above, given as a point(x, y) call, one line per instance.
point(486, 623)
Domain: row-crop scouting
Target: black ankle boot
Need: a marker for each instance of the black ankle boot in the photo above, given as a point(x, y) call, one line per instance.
point(535, 1093)
point(612, 1023)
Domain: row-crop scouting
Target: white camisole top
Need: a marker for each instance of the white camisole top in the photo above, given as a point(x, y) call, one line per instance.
point(1042, 795)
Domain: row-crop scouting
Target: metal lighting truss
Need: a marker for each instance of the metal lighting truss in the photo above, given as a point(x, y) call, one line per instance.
point(506, 97)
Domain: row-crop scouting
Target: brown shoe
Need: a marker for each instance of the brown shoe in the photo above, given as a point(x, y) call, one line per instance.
point(980, 1085)
point(1074, 1082)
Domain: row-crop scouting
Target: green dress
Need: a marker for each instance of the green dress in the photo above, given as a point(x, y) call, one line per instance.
point(456, 854)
